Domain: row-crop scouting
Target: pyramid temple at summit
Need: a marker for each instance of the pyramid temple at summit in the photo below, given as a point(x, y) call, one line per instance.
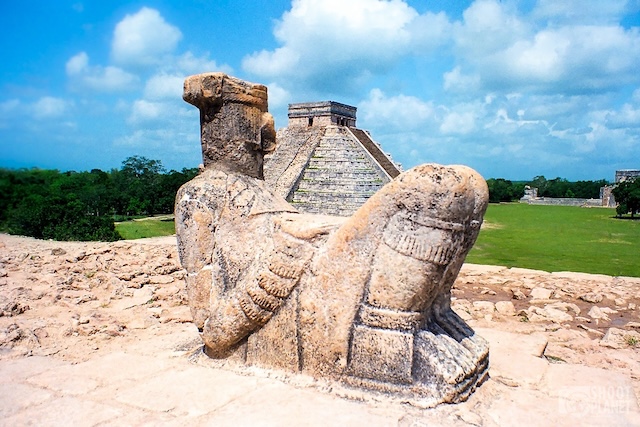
point(323, 163)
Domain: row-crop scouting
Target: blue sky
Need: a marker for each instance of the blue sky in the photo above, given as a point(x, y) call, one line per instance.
point(512, 88)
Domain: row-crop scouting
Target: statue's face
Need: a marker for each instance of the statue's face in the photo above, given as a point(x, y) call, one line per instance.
point(246, 155)
point(267, 134)
point(265, 141)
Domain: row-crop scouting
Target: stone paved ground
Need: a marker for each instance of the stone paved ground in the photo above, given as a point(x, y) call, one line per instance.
point(98, 334)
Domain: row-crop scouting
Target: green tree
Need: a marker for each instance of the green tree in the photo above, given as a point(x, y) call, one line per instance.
point(588, 189)
point(556, 188)
point(76, 224)
point(141, 178)
point(539, 182)
point(561, 187)
point(29, 217)
point(59, 217)
point(499, 190)
point(627, 195)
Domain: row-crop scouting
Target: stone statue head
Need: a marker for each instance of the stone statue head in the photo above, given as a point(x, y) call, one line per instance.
point(236, 129)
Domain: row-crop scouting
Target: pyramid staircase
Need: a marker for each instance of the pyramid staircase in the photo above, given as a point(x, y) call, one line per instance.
point(339, 177)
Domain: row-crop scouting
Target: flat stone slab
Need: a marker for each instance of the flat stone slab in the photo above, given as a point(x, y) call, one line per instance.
point(471, 269)
point(281, 404)
point(67, 380)
point(512, 344)
point(140, 296)
point(591, 388)
point(515, 359)
point(120, 366)
point(537, 409)
point(192, 392)
point(525, 271)
point(582, 276)
point(65, 411)
point(16, 397)
point(130, 387)
point(15, 370)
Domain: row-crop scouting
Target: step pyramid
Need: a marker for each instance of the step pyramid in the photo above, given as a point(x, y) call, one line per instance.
point(327, 168)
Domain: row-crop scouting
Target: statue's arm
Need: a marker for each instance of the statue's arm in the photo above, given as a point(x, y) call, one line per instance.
point(257, 297)
point(197, 211)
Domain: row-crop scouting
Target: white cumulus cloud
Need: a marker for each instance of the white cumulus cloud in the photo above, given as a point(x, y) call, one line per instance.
point(49, 107)
point(158, 113)
point(396, 112)
point(77, 64)
point(162, 86)
point(143, 38)
point(143, 111)
point(487, 27)
point(278, 96)
point(191, 64)
point(111, 79)
point(507, 49)
point(627, 117)
point(458, 123)
point(104, 79)
point(576, 57)
point(456, 81)
point(332, 43)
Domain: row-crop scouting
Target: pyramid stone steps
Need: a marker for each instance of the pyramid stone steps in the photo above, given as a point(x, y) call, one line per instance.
point(343, 163)
point(329, 206)
point(319, 174)
point(343, 182)
point(336, 187)
point(330, 197)
point(339, 177)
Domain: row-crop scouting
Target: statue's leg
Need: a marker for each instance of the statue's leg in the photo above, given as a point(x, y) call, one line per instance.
point(358, 275)
point(405, 335)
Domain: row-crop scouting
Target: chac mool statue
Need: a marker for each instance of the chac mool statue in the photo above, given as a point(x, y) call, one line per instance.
point(363, 300)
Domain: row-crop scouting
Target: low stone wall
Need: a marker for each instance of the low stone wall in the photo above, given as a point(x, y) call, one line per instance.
point(565, 201)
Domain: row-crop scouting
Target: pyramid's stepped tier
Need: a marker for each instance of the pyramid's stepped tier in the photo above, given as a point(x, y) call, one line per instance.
point(365, 186)
point(355, 174)
point(284, 167)
point(339, 177)
point(374, 149)
point(330, 197)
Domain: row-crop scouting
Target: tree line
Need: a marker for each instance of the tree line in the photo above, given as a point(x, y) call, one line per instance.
point(503, 190)
point(49, 204)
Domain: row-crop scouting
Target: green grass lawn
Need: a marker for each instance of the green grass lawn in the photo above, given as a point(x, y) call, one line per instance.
point(558, 238)
point(146, 228)
point(549, 238)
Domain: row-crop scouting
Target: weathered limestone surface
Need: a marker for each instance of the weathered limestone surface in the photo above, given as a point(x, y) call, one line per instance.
point(364, 300)
point(71, 353)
